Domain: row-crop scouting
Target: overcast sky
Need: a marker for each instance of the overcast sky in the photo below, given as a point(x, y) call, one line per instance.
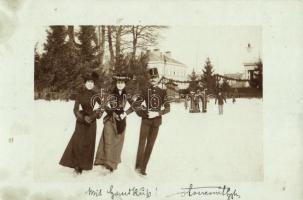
point(224, 45)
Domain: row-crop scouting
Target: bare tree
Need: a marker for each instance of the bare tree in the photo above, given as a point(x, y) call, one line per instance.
point(144, 37)
point(117, 42)
point(71, 33)
point(135, 40)
point(101, 42)
point(125, 38)
point(110, 44)
point(118, 31)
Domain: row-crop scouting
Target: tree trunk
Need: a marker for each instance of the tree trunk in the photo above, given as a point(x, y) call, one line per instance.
point(118, 44)
point(71, 33)
point(110, 45)
point(101, 43)
point(135, 40)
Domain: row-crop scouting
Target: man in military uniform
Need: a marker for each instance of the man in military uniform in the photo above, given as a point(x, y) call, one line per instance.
point(155, 99)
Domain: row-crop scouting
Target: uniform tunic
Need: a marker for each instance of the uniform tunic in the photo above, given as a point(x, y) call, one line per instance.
point(154, 99)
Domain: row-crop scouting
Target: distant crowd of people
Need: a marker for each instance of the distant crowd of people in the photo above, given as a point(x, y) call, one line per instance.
point(196, 101)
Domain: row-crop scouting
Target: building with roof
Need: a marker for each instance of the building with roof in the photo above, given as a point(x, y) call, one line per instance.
point(251, 60)
point(250, 64)
point(236, 84)
point(249, 68)
point(167, 66)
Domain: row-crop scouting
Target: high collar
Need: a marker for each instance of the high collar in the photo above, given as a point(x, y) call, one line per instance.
point(153, 86)
point(119, 92)
point(87, 90)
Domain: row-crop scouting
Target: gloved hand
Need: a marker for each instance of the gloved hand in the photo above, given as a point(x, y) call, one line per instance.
point(79, 115)
point(123, 115)
point(142, 113)
point(116, 116)
point(87, 119)
point(98, 113)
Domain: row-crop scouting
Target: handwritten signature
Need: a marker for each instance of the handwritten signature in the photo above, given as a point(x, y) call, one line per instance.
point(142, 192)
point(222, 191)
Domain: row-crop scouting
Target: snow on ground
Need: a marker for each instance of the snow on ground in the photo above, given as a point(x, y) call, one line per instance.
point(190, 147)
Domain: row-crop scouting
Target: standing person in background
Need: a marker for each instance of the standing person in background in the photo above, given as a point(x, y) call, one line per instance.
point(204, 100)
point(194, 108)
point(197, 99)
point(234, 95)
point(201, 94)
point(220, 98)
point(79, 153)
point(186, 101)
point(155, 98)
point(112, 139)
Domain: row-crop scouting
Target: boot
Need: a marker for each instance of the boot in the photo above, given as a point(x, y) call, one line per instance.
point(78, 170)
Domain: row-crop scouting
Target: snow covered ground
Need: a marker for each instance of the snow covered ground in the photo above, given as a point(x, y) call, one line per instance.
point(190, 146)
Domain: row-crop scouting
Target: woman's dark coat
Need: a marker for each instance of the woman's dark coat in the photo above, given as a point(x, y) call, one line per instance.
point(80, 149)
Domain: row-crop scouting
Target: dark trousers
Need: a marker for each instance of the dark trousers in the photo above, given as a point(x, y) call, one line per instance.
point(148, 134)
point(220, 109)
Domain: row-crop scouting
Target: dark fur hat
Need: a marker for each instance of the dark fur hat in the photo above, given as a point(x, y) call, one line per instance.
point(94, 76)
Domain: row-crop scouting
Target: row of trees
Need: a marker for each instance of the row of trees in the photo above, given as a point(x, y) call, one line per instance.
point(71, 51)
point(204, 81)
point(207, 80)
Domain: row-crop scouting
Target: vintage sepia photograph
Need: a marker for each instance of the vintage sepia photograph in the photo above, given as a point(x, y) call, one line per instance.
point(147, 102)
point(151, 100)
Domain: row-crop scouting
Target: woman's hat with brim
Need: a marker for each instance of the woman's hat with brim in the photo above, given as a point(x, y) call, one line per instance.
point(121, 77)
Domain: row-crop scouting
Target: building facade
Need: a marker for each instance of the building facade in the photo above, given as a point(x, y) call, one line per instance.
point(249, 68)
point(236, 84)
point(167, 66)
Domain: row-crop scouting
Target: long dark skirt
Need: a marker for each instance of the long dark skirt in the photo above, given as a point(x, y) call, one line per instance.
point(81, 147)
point(110, 145)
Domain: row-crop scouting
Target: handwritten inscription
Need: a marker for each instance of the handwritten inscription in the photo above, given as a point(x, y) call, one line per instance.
point(223, 191)
point(190, 192)
point(114, 193)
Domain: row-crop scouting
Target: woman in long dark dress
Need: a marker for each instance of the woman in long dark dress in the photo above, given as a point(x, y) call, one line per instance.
point(79, 153)
point(112, 139)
